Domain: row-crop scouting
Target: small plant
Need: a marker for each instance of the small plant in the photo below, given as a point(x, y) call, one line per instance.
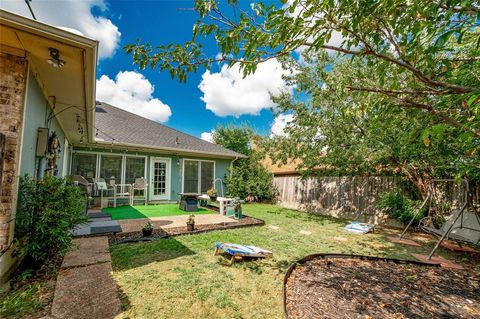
point(147, 229)
point(212, 193)
point(191, 222)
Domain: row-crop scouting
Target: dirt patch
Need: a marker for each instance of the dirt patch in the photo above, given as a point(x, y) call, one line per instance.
point(355, 288)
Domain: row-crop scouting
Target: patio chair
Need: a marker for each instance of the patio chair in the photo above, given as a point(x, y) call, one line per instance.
point(122, 191)
point(101, 187)
point(139, 185)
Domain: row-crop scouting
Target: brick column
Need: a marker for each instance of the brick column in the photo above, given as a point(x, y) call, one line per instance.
point(12, 93)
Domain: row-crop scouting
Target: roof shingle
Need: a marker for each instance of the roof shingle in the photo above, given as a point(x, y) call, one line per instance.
point(122, 127)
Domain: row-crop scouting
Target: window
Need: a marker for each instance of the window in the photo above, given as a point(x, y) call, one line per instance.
point(198, 176)
point(84, 165)
point(206, 176)
point(190, 182)
point(111, 169)
point(134, 168)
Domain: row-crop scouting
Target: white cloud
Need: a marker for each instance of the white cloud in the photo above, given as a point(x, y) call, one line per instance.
point(207, 136)
point(336, 38)
point(228, 93)
point(132, 92)
point(73, 14)
point(279, 124)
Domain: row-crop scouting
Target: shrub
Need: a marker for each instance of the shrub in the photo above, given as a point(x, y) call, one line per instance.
point(47, 212)
point(250, 180)
point(399, 207)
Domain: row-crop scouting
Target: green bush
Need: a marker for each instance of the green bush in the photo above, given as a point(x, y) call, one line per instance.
point(47, 212)
point(249, 179)
point(399, 207)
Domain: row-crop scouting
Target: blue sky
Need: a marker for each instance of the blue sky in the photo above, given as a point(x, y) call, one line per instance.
point(150, 93)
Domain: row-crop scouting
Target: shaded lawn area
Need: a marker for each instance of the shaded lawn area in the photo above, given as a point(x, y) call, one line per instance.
point(31, 300)
point(180, 278)
point(142, 211)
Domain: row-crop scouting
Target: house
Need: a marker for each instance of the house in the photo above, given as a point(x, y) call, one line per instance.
point(51, 124)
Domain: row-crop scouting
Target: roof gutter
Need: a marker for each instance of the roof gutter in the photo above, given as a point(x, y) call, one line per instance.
point(45, 30)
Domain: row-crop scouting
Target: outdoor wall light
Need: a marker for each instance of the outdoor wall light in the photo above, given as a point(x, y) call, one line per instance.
point(55, 60)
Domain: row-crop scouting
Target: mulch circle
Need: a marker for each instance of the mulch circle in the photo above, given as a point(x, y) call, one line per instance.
point(341, 286)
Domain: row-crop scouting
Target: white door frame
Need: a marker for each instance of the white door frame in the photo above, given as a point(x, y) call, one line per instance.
point(168, 162)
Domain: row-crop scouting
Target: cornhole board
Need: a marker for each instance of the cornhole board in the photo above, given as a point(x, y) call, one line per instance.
point(239, 252)
point(360, 228)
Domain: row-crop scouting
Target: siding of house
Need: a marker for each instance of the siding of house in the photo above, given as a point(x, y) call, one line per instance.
point(12, 92)
point(36, 115)
point(221, 167)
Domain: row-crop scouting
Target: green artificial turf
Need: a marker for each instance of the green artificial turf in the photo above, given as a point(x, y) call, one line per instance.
point(142, 211)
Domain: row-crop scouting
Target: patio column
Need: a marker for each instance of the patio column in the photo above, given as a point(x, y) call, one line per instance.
point(13, 67)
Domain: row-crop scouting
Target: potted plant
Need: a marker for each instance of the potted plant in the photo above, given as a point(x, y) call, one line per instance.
point(212, 193)
point(147, 230)
point(191, 223)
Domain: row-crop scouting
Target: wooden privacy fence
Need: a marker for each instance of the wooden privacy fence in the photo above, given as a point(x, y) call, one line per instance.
point(336, 196)
point(343, 196)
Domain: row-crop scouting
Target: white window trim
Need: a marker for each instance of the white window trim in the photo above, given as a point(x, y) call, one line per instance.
point(99, 162)
point(199, 186)
point(168, 179)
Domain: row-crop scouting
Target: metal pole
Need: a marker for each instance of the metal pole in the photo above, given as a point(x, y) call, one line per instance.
point(447, 232)
point(30, 8)
point(414, 216)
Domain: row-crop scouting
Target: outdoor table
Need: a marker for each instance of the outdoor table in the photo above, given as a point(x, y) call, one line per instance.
point(225, 205)
point(189, 202)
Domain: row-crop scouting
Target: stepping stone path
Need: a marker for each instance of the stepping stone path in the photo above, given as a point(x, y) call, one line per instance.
point(85, 287)
point(272, 227)
point(445, 263)
point(305, 232)
point(458, 249)
point(340, 239)
point(404, 241)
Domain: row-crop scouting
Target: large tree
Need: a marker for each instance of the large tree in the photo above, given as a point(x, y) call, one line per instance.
point(432, 47)
point(333, 133)
point(408, 100)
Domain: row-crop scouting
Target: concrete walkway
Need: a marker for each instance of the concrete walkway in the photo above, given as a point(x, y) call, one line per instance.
point(85, 287)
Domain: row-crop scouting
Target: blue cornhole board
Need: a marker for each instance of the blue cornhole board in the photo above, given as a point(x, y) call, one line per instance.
point(360, 228)
point(237, 251)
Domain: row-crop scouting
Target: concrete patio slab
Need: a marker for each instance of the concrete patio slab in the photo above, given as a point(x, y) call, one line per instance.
point(88, 251)
point(273, 227)
point(86, 292)
point(97, 227)
point(97, 214)
point(305, 232)
point(343, 239)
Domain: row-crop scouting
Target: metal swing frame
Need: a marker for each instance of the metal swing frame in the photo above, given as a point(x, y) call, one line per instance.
point(457, 215)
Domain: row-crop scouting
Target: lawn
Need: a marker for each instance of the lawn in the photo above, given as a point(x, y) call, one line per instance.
point(142, 211)
point(180, 278)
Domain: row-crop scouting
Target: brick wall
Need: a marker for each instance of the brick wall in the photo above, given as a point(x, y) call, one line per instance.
point(12, 93)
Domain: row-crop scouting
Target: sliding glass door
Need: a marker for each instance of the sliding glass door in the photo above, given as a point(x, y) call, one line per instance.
point(198, 176)
point(84, 164)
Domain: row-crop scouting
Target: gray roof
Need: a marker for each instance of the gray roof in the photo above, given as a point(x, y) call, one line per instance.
point(122, 127)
